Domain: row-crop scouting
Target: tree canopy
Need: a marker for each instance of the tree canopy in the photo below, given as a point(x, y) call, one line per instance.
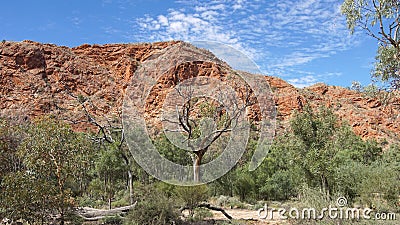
point(381, 20)
point(51, 160)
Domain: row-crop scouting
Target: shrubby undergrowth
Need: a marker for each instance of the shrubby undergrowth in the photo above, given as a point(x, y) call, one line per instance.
point(47, 170)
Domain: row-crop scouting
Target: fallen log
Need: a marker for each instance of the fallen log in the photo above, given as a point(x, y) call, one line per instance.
point(91, 214)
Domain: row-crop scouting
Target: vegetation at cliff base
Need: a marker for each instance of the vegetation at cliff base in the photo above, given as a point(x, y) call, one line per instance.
point(48, 171)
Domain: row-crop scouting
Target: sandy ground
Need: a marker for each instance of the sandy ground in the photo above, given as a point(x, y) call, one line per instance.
point(248, 217)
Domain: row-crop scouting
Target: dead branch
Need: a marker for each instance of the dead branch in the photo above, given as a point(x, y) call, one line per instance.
point(210, 207)
point(91, 214)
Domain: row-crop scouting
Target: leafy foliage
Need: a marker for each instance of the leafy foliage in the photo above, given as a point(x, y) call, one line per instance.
point(10, 137)
point(172, 152)
point(243, 184)
point(318, 152)
point(25, 196)
point(153, 207)
point(381, 20)
point(191, 196)
point(45, 167)
point(53, 158)
point(109, 168)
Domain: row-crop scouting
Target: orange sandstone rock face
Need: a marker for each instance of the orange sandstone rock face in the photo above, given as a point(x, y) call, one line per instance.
point(375, 117)
point(38, 79)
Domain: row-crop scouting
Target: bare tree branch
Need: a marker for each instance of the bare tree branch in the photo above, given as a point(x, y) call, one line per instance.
point(211, 207)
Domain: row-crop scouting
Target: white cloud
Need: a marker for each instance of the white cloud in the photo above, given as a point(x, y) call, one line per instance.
point(193, 27)
point(209, 7)
point(76, 21)
point(163, 20)
point(297, 31)
point(294, 59)
point(302, 82)
point(238, 4)
point(306, 78)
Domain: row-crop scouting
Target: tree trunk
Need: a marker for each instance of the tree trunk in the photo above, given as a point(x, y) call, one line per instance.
point(196, 170)
point(130, 185)
point(325, 186)
point(62, 219)
point(196, 165)
point(109, 190)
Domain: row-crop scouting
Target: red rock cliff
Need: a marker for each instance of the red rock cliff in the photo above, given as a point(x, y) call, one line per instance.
point(39, 79)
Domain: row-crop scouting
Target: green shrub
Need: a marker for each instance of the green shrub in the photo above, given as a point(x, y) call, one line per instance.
point(74, 219)
point(202, 213)
point(244, 185)
point(153, 207)
point(191, 196)
point(121, 198)
point(112, 220)
point(86, 201)
point(279, 186)
point(380, 189)
point(167, 189)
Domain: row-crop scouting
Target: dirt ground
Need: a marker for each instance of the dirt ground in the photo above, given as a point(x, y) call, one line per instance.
point(248, 217)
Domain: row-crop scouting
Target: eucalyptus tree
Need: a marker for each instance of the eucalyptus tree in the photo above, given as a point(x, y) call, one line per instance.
point(381, 20)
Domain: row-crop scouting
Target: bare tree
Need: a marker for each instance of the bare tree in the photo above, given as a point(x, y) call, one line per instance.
point(203, 119)
point(109, 132)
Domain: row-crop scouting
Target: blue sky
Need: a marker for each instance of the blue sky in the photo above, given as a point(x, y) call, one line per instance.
point(301, 41)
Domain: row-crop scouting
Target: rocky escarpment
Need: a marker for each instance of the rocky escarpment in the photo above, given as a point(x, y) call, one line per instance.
point(38, 79)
